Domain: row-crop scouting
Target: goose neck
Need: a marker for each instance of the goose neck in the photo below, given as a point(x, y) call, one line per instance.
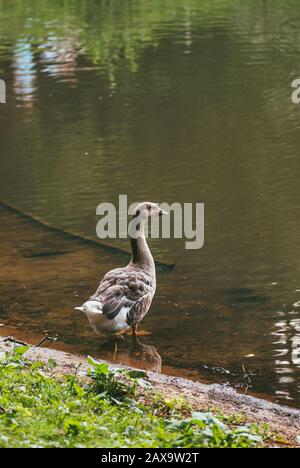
point(141, 254)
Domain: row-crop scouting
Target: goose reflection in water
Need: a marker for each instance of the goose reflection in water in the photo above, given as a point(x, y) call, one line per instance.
point(147, 355)
point(137, 354)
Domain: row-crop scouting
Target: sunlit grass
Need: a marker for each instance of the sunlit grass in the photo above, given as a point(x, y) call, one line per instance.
point(103, 409)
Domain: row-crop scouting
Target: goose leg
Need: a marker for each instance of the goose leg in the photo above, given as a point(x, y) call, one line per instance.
point(121, 333)
point(135, 332)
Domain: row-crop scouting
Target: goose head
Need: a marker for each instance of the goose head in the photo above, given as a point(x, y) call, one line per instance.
point(148, 210)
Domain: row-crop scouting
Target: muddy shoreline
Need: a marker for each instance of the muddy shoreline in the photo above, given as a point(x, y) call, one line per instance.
point(281, 420)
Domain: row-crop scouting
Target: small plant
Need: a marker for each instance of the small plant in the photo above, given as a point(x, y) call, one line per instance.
point(168, 408)
point(113, 383)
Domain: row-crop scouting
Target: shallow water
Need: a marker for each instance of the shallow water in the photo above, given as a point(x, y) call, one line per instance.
point(164, 100)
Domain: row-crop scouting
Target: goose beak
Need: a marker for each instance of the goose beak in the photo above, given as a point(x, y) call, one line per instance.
point(162, 212)
point(79, 308)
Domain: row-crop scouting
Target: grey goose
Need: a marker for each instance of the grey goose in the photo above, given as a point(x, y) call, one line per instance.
point(124, 296)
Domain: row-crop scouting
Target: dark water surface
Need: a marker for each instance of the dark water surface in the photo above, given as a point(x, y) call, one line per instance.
point(168, 100)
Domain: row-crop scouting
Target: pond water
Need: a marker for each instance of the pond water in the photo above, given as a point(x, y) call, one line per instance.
point(167, 100)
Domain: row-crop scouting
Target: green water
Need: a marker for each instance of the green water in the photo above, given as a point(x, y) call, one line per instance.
point(171, 100)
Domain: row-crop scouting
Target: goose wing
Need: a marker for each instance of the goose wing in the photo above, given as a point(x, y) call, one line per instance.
point(132, 290)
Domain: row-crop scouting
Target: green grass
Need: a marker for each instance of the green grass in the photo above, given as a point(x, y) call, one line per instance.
point(107, 408)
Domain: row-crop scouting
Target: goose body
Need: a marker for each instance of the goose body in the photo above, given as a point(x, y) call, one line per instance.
point(124, 296)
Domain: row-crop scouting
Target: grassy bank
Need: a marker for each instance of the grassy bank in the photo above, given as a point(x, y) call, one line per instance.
point(103, 408)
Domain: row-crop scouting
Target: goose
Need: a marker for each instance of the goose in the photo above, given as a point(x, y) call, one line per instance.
point(124, 296)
